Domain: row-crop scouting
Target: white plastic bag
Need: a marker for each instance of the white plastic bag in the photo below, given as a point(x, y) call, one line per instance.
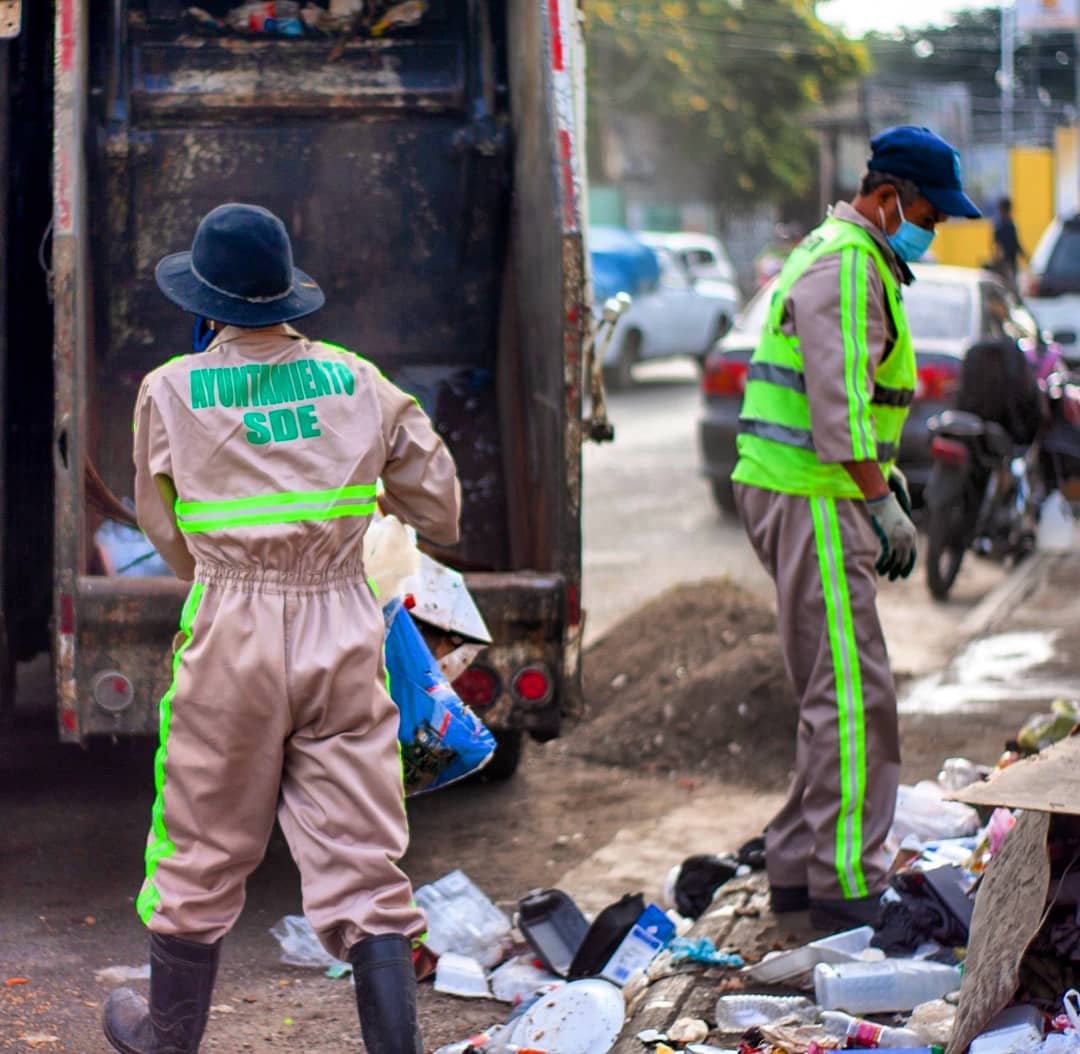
point(299, 945)
point(922, 811)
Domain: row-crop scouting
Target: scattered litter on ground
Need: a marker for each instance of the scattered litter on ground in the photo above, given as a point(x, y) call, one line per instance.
point(462, 976)
point(461, 919)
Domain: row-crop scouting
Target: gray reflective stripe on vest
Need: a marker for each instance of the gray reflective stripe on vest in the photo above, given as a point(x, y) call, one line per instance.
point(886, 396)
point(788, 377)
point(797, 437)
point(782, 376)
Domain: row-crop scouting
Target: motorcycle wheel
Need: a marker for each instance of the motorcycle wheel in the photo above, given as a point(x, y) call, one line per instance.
point(944, 555)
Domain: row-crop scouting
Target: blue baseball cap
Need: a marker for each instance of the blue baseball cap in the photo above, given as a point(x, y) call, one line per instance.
point(929, 162)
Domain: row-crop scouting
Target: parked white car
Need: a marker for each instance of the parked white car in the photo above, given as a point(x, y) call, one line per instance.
point(690, 306)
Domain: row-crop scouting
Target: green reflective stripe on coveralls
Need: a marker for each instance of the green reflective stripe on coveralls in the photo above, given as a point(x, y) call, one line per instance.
point(849, 698)
point(775, 441)
point(288, 507)
point(161, 846)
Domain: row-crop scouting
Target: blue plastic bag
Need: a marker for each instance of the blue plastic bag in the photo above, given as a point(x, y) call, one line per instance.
point(442, 740)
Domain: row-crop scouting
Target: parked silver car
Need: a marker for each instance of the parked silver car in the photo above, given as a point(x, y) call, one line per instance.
point(692, 302)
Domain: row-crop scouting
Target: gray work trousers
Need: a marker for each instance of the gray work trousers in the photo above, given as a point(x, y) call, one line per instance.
point(829, 833)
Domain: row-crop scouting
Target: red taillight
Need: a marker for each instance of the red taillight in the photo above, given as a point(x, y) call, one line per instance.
point(938, 381)
point(67, 613)
point(1070, 399)
point(532, 684)
point(950, 451)
point(724, 377)
point(477, 686)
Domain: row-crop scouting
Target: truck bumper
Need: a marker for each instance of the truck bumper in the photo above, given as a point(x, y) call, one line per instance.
point(116, 652)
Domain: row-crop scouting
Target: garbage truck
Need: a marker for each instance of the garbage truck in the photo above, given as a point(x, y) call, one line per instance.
point(426, 159)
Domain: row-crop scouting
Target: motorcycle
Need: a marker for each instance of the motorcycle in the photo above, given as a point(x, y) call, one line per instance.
point(978, 496)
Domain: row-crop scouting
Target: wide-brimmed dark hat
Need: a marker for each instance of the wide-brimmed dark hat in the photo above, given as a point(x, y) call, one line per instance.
point(240, 271)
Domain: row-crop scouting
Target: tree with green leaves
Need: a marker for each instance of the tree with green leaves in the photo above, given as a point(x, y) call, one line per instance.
point(732, 81)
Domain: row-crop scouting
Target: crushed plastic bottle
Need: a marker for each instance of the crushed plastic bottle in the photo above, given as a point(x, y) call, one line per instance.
point(882, 987)
point(737, 1013)
point(858, 1033)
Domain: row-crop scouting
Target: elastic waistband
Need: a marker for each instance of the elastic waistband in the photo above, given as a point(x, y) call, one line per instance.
point(266, 580)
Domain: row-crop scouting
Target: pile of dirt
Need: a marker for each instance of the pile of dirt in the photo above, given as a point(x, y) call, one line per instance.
point(692, 682)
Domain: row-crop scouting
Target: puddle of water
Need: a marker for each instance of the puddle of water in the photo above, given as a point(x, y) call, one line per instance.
point(987, 672)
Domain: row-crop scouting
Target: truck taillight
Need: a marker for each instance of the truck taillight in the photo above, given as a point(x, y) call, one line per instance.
point(112, 691)
point(724, 377)
point(67, 613)
point(937, 381)
point(477, 687)
point(532, 684)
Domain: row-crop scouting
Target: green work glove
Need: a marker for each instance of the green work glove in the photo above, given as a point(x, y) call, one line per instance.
point(897, 534)
point(898, 485)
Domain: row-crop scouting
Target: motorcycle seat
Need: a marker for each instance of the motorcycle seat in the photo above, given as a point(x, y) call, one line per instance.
point(998, 441)
point(957, 423)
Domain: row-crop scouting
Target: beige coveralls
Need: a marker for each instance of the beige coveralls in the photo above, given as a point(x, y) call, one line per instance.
point(829, 836)
point(278, 706)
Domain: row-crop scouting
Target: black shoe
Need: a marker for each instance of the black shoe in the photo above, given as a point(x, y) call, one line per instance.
point(752, 853)
point(837, 915)
point(784, 899)
point(182, 977)
point(386, 994)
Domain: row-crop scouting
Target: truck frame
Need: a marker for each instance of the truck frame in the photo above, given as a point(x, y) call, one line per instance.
point(432, 181)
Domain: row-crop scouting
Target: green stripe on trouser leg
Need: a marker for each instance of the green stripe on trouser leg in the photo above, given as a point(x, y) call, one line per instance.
point(160, 844)
point(847, 676)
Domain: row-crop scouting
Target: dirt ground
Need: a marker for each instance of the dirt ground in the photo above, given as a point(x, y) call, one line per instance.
point(694, 683)
point(690, 720)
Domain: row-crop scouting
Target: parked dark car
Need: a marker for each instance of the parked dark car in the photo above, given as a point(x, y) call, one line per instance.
point(949, 309)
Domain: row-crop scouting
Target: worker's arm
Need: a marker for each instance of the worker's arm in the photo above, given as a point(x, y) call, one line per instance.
point(155, 493)
point(837, 309)
point(420, 478)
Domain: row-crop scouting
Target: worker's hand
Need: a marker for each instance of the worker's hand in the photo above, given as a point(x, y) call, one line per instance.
point(899, 486)
point(897, 534)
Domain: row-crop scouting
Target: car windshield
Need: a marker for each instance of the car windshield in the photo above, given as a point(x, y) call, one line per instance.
point(938, 310)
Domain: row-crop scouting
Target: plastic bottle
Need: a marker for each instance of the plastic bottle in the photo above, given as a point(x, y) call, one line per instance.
point(1055, 532)
point(859, 1033)
point(890, 985)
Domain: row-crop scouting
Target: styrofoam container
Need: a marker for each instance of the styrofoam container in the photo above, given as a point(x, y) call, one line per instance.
point(1014, 1029)
point(583, 1017)
point(460, 975)
point(848, 946)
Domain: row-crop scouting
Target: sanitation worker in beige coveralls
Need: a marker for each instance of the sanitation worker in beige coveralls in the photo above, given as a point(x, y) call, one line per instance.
point(256, 465)
point(829, 388)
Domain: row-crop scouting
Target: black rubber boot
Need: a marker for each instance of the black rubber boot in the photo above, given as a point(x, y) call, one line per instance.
point(837, 915)
point(386, 994)
point(181, 982)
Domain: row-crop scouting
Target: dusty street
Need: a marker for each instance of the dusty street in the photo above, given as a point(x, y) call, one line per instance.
point(70, 849)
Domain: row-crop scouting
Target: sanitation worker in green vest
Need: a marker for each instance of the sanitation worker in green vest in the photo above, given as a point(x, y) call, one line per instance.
point(827, 511)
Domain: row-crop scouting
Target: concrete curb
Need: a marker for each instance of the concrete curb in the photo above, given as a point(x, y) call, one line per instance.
point(1006, 597)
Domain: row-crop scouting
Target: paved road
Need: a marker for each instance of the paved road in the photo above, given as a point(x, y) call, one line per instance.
point(650, 522)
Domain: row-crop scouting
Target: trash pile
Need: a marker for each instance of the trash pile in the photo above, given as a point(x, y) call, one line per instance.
point(290, 18)
point(976, 947)
point(561, 974)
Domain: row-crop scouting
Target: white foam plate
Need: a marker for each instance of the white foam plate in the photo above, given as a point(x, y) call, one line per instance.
point(583, 1017)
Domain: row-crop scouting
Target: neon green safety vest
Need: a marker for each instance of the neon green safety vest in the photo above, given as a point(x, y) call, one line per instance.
point(775, 441)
